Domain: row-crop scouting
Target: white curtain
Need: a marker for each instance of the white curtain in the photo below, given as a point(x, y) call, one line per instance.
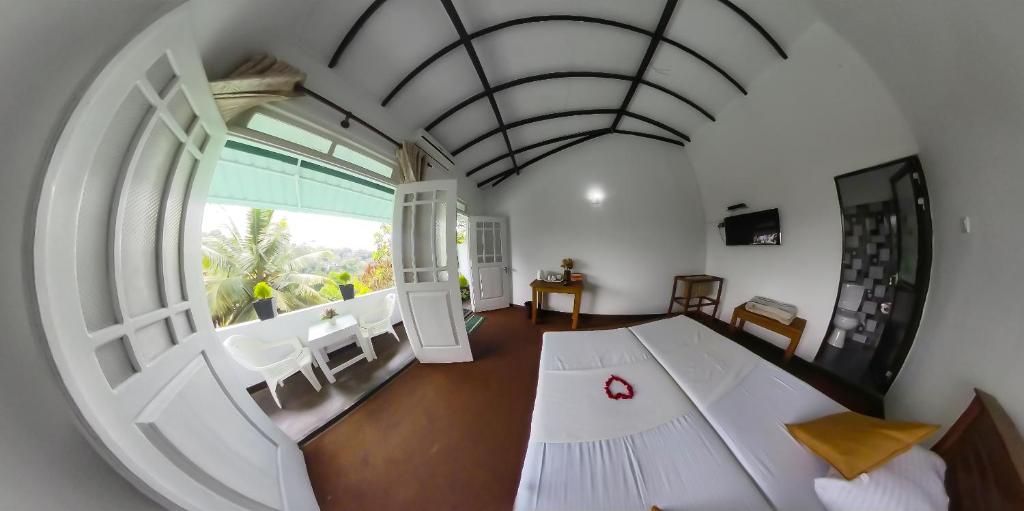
point(260, 80)
point(412, 162)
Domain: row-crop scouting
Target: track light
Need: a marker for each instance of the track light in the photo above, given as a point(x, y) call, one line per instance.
point(344, 122)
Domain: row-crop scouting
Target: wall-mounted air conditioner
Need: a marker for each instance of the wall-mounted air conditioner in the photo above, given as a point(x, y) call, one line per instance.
point(436, 151)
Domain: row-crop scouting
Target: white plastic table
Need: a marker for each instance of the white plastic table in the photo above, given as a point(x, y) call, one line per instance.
point(329, 333)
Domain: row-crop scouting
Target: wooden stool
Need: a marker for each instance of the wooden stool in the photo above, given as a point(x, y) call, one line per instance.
point(692, 283)
point(794, 330)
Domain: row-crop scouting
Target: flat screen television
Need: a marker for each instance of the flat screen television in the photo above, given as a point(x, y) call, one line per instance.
point(757, 228)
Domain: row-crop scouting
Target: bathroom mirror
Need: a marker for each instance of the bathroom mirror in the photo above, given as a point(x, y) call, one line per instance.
point(886, 225)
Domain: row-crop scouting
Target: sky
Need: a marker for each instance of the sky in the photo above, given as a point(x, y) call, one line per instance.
point(320, 230)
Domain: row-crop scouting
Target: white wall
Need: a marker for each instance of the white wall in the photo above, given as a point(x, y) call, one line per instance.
point(649, 228)
point(49, 50)
point(297, 323)
point(958, 70)
point(819, 114)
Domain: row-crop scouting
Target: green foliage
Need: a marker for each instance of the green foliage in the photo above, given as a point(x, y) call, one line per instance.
point(379, 274)
point(262, 291)
point(236, 260)
point(463, 281)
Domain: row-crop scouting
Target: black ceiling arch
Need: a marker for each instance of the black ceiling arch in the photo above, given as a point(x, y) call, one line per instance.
point(556, 76)
point(570, 113)
point(656, 37)
point(569, 136)
point(556, 17)
point(505, 174)
point(534, 145)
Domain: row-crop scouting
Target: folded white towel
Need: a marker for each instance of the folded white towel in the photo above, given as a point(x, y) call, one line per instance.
point(782, 312)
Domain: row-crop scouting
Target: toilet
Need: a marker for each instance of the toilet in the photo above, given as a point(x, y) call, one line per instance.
point(846, 318)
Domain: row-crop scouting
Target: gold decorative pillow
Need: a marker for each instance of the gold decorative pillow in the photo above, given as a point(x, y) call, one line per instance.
point(855, 443)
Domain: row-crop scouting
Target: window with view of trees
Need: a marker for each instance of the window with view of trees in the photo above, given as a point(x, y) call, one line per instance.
point(305, 258)
point(316, 230)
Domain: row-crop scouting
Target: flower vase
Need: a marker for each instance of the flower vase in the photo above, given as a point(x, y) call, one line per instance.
point(566, 276)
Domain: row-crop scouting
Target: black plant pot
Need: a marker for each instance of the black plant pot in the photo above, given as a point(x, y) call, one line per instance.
point(264, 309)
point(566, 277)
point(348, 291)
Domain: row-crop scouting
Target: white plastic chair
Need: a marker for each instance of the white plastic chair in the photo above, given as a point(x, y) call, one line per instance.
point(379, 321)
point(274, 360)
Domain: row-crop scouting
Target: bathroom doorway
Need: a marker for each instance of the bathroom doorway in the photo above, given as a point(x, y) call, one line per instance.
point(887, 240)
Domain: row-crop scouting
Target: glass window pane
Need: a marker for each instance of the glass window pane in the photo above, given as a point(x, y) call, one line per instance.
point(441, 234)
point(366, 162)
point(285, 131)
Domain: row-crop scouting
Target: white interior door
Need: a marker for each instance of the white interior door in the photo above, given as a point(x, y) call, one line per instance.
point(426, 271)
point(488, 262)
point(119, 282)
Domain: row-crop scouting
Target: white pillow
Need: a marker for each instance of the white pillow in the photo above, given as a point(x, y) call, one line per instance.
point(912, 481)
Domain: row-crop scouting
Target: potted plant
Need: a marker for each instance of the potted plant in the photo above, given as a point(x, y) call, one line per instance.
point(567, 265)
point(345, 285)
point(329, 315)
point(464, 287)
point(264, 303)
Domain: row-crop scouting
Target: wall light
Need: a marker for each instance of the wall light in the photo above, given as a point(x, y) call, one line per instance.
point(595, 196)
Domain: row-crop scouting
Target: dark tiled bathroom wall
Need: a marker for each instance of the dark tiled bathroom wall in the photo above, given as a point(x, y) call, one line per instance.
point(870, 259)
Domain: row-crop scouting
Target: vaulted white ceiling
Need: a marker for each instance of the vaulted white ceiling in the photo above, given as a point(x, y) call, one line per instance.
point(400, 35)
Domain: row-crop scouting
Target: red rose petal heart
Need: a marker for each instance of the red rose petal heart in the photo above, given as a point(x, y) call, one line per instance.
point(618, 395)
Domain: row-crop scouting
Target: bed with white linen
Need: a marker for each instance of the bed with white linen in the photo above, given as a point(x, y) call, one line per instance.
point(704, 430)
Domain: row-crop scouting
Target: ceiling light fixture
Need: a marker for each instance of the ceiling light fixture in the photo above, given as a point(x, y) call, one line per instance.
point(595, 196)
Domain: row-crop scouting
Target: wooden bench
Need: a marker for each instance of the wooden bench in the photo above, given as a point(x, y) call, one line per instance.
point(794, 330)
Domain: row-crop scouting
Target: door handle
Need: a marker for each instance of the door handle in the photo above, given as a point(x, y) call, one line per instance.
point(506, 269)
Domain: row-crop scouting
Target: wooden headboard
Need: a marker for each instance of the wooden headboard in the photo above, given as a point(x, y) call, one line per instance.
point(984, 456)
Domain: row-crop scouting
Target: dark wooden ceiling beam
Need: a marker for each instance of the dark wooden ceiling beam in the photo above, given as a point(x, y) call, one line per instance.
point(757, 26)
point(645, 62)
point(571, 113)
point(535, 145)
point(651, 136)
point(557, 75)
point(353, 30)
point(460, 28)
point(501, 176)
point(555, 17)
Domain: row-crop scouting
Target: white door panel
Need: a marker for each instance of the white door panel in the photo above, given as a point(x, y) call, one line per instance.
point(119, 282)
point(492, 282)
point(426, 271)
point(488, 262)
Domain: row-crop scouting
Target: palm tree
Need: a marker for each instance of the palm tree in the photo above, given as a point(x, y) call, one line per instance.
point(234, 261)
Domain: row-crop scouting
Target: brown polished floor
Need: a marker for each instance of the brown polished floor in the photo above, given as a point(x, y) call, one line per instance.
point(453, 437)
point(305, 411)
point(443, 437)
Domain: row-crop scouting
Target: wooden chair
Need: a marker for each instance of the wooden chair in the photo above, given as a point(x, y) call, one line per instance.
point(696, 287)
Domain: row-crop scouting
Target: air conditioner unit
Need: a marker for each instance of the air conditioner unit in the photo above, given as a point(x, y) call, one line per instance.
point(435, 150)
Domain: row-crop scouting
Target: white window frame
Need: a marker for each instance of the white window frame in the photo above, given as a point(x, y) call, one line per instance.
point(238, 128)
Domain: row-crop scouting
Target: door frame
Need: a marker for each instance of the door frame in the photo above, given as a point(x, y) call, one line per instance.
point(910, 163)
point(58, 298)
point(507, 274)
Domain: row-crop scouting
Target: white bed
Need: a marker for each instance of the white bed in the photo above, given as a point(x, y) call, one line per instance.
point(704, 430)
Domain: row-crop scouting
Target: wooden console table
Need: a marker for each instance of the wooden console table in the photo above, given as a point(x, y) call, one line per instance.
point(692, 283)
point(794, 330)
point(540, 287)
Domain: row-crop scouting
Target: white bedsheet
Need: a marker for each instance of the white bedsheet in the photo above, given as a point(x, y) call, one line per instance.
point(588, 452)
point(679, 466)
point(712, 439)
point(572, 406)
point(565, 351)
point(748, 401)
